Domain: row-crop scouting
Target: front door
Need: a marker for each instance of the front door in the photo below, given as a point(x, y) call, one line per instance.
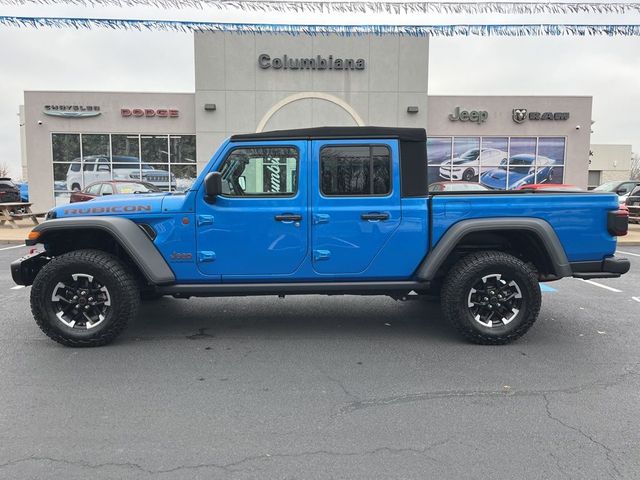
point(258, 227)
point(355, 203)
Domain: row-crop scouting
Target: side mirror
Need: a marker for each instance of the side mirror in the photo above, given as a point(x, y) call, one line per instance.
point(621, 191)
point(212, 186)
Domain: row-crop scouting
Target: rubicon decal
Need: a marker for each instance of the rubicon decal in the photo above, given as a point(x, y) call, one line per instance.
point(110, 209)
point(150, 112)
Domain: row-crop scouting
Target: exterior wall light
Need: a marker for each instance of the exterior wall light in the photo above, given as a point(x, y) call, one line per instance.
point(209, 107)
point(412, 109)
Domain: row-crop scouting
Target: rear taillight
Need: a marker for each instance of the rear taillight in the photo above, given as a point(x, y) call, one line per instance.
point(618, 221)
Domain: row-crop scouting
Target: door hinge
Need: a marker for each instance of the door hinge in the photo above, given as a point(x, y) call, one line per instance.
point(320, 218)
point(206, 256)
point(205, 220)
point(321, 255)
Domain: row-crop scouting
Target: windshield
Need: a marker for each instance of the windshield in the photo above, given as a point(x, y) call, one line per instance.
point(470, 154)
point(131, 187)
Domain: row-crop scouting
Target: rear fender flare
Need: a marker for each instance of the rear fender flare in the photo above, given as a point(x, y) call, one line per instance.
point(449, 241)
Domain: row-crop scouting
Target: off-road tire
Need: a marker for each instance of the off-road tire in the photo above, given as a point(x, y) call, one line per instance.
point(471, 269)
point(105, 268)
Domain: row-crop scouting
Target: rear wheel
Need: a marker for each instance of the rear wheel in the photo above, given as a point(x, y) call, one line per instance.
point(84, 298)
point(491, 297)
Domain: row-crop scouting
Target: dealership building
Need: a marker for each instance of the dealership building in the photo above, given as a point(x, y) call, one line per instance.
point(248, 83)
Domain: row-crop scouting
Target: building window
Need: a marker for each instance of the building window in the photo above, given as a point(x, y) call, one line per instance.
point(166, 161)
point(499, 163)
point(260, 171)
point(355, 170)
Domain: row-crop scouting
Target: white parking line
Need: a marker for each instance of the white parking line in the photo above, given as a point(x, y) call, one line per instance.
point(17, 287)
point(603, 286)
point(637, 299)
point(14, 246)
point(629, 253)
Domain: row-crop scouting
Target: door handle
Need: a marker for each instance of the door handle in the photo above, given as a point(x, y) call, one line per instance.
point(288, 217)
point(374, 217)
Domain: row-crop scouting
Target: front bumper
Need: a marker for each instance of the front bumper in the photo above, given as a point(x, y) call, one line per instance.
point(451, 174)
point(25, 269)
point(610, 267)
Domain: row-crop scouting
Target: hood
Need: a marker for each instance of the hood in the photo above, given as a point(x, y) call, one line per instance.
point(462, 161)
point(124, 205)
point(496, 174)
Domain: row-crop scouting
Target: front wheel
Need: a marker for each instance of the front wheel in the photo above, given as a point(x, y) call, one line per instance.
point(491, 298)
point(84, 298)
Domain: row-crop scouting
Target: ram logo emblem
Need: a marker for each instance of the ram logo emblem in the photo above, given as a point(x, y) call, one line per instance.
point(519, 115)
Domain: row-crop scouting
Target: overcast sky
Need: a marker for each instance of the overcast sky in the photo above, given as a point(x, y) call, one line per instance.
point(50, 59)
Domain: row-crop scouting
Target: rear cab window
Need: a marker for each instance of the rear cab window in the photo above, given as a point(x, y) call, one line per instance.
point(355, 170)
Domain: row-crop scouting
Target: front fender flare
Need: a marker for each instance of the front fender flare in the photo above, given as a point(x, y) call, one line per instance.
point(543, 230)
point(126, 233)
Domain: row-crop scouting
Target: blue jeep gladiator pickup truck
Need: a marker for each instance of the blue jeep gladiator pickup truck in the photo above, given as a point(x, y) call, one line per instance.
point(331, 210)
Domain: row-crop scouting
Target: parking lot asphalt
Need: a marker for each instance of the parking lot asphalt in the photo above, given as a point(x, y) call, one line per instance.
point(326, 387)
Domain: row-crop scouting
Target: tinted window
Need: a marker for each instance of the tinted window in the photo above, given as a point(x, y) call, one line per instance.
point(355, 170)
point(260, 171)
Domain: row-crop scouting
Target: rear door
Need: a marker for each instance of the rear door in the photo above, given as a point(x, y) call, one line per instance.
point(355, 201)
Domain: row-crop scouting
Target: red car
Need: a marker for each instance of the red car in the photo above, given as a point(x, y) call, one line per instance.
point(456, 187)
point(112, 187)
point(561, 187)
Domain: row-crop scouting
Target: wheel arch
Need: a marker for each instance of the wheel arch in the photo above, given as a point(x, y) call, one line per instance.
point(531, 239)
point(117, 235)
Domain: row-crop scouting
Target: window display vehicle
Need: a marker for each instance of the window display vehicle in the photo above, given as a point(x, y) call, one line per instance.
point(333, 210)
point(520, 170)
point(456, 187)
point(466, 167)
point(98, 167)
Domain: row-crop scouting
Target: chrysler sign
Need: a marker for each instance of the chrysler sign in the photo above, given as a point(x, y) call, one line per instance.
point(318, 62)
point(72, 111)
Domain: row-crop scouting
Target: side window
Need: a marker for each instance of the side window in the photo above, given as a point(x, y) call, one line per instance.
point(260, 171)
point(89, 167)
point(355, 170)
point(107, 189)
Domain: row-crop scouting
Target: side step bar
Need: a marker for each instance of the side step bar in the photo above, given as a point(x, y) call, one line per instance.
point(321, 288)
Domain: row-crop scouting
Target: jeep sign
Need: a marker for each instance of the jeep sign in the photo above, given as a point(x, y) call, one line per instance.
point(477, 116)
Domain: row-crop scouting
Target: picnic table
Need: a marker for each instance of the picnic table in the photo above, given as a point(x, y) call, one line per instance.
point(10, 212)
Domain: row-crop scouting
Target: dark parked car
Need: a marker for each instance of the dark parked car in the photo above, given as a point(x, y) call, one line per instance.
point(633, 204)
point(113, 187)
point(622, 187)
point(456, 187)
point(9, 191)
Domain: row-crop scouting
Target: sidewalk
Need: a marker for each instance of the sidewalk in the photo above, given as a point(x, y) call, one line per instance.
point(631, 238)
point(8, 234)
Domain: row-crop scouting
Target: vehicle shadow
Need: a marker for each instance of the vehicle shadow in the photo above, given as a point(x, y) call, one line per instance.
point(199, 318)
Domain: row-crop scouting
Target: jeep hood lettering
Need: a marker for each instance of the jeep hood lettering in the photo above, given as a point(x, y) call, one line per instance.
point(119, 205)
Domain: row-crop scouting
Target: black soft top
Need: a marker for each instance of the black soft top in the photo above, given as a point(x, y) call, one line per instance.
point(402, 134)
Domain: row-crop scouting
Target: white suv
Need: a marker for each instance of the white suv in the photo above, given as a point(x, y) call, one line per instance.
point(97, 167)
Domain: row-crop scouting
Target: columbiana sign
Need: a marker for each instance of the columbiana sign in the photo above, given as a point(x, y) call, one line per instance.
point(318, 62)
